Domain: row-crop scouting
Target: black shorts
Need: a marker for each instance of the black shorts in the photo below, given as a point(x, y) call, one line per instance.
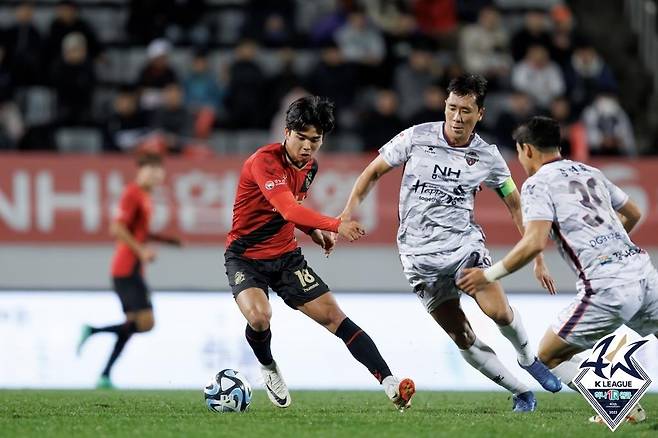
point(132, 291)
point(289, 276)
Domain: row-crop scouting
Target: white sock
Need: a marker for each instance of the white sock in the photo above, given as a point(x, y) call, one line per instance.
point(568, 370)
point(483, 359)
point(516, 334)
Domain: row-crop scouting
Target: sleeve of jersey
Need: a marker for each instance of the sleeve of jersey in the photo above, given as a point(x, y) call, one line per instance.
point(536, 203)
point(617, 196)
point(301, 216)
point(125, 211)
point(270, 176)
point(500, 178)
point(398, 150)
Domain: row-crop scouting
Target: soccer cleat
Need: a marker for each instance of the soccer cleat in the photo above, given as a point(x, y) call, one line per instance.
point(524, 402)
point(104, 382)
point(275, 386)
point(399, 391)
point(85, 333)
point(543, 375)
point(636, 415)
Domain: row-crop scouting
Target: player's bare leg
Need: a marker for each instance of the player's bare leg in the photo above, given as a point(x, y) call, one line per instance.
point(325, 311)
point(563, 360)
point(493, 302)
point(256, 308)
point(450, 316)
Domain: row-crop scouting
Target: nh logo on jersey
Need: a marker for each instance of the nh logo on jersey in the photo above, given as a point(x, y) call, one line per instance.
point(471, 158)
point(445, 171)
point(611, 380)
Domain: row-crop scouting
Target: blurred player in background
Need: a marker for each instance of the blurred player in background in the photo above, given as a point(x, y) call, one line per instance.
point(262, 252)
point(444, 165)
point(130, 227)
point(589, 218)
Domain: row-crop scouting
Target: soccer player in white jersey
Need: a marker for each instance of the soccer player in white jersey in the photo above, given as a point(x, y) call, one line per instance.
point(589, 218)
point(444, 166)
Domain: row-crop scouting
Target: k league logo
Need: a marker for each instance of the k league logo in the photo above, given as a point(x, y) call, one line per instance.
point(611, 380)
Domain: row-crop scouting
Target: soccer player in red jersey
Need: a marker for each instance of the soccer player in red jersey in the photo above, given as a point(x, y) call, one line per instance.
point(262, 252)
point(130, 226)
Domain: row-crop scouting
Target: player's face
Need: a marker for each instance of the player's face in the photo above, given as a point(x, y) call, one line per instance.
point(151, 176)
point(462, 114)
point(302, 145)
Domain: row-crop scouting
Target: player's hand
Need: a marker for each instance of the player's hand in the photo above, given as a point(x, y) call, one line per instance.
point(472, 280)
point(351, 230)
point(323, 239)
point(329, 242)
point(146, 255)
point(543, 276)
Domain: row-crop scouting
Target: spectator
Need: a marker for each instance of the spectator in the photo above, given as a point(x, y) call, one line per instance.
point(538, 76)
point(246, 94)
point(24, 47)
point(413, 77)
point(359, 41)
point(271, 22)
point(517, 109)
point(484, 47)
point(436, 18)
point(127, 125)
point(324, 29)
point(434, 104)
point(74, 80)
point(389, 16)
point(173, 118)
point(534, 33)
point(563, 35)
point(156, 74)
point(11, 122)
point(587, 75)
point(382, 123)
point(560, 110)
point(286, 79)
point(67, 20)
point(334, 78)
point(201, 86)
point(609, 130)
point(147, 20)
point(185, 21)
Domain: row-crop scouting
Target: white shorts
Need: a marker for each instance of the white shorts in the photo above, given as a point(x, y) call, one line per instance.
point(432, 276)
point(595, 314)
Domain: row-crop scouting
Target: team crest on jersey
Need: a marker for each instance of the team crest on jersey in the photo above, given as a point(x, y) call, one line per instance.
point(239, 277)
point(471, 158)
point(611, 380)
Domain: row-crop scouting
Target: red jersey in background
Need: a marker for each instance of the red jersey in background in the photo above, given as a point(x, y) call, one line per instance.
point(134, 212)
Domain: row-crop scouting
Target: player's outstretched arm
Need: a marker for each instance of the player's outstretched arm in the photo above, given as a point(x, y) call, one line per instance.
point(629, 214)
point(364, 183)
point(166, 239)
point(120, 232)
point(533, 242)
point(513, 203)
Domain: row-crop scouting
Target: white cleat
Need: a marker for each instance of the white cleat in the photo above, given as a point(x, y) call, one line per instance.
point(275, 386)
point(636, 415)
point(399, 391)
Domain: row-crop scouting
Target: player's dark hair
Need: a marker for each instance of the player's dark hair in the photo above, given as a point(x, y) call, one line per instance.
point(541, 132)
point(310, 111)
point(149, 159)
point(469, 84)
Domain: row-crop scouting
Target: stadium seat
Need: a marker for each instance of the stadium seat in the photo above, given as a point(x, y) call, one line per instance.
point(78, 140)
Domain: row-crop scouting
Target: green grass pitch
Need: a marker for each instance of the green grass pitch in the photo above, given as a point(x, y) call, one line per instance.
point(313, 414)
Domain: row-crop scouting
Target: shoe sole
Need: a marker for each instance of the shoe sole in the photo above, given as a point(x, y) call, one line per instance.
point(407, 389)
point(276, 400)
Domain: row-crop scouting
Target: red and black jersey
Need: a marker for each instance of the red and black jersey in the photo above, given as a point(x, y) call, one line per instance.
point(134, 212)
point(259, 231)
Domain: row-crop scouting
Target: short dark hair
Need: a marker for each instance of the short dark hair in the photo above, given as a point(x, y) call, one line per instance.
point(149, 159)
point(310, 111)
point(541, 132)
point(469, 84)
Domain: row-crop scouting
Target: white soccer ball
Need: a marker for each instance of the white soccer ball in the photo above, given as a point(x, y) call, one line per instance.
point(228, 391)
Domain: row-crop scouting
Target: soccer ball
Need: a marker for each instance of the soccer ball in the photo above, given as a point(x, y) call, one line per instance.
point(227, 391)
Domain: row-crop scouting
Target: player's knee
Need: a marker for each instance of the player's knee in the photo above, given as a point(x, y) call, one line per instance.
point(145, 323)
point(502, 316)
point(259, 319)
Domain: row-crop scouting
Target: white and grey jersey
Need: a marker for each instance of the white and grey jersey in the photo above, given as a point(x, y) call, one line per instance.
point(581, 202)
point(438, 186)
